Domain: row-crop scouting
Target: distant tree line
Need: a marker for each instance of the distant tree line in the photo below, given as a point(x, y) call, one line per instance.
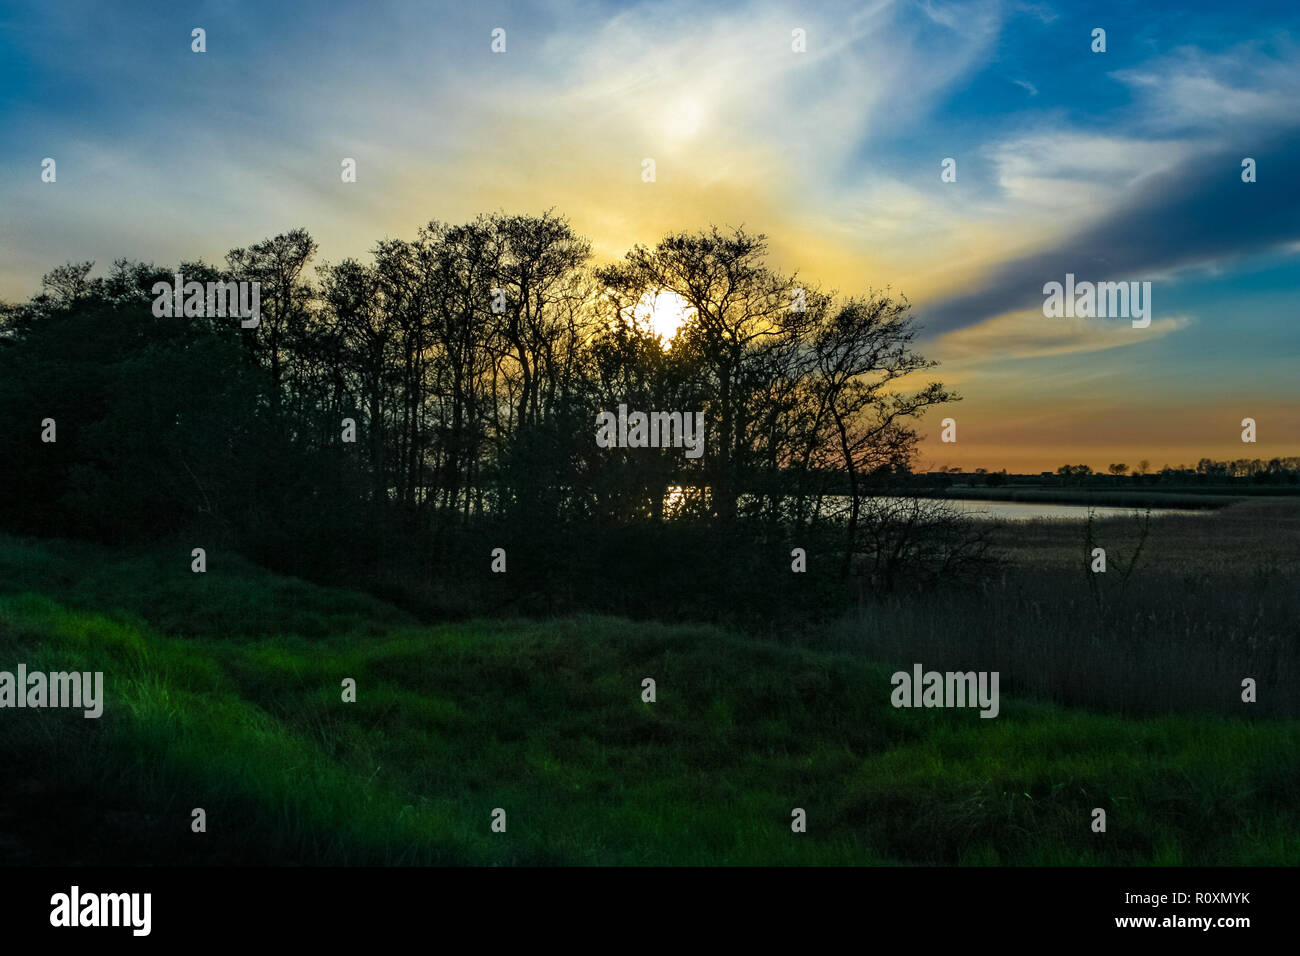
point(1254, 468)
point(1242, 471)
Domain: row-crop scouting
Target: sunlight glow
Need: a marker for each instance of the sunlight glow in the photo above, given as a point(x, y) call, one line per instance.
point(664, 313)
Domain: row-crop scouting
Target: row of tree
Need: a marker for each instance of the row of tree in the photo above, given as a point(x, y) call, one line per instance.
point(469, 364)
point(1256, 470)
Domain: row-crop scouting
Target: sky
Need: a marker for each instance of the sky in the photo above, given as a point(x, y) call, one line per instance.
point(1122, 165)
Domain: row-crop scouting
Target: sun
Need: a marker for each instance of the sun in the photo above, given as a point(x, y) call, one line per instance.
point(664, 312)
point(684, 119)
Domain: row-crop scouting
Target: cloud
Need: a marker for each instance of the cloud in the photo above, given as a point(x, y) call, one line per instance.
point(1054, 171)
point(1029, 334)
point(1159, 191)
point(1189, 88)
point(1193, 214)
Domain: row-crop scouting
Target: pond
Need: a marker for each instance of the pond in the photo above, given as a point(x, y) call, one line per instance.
point(1031, 510)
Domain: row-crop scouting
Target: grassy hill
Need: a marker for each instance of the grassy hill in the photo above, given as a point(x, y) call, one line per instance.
point(224, 692)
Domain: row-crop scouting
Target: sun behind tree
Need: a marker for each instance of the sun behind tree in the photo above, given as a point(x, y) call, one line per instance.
point(663, 312)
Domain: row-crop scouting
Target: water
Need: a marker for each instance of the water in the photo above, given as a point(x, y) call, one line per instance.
point(1030, 510)
point(978, 509)
point(994, 510)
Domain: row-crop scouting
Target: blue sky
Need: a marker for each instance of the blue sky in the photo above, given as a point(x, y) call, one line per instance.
point(1116, 165)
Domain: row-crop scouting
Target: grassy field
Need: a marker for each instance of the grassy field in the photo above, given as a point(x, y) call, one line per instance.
point(1175, 624)
point(1260, 536)
point(223, 692)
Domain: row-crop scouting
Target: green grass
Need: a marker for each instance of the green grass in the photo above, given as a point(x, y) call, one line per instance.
point(223, 692)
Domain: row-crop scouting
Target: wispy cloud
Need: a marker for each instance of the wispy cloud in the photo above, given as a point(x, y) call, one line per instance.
point(1192, 214)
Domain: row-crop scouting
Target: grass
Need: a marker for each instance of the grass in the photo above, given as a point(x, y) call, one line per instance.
point(1211, 601)
point(223, 692)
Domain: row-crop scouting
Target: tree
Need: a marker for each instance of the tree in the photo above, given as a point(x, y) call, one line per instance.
point(539, 271)
point(860, 350)
point(363, 354)
point(67, 283)
point(278, 265)
point(401, 410)
point(742, 310)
